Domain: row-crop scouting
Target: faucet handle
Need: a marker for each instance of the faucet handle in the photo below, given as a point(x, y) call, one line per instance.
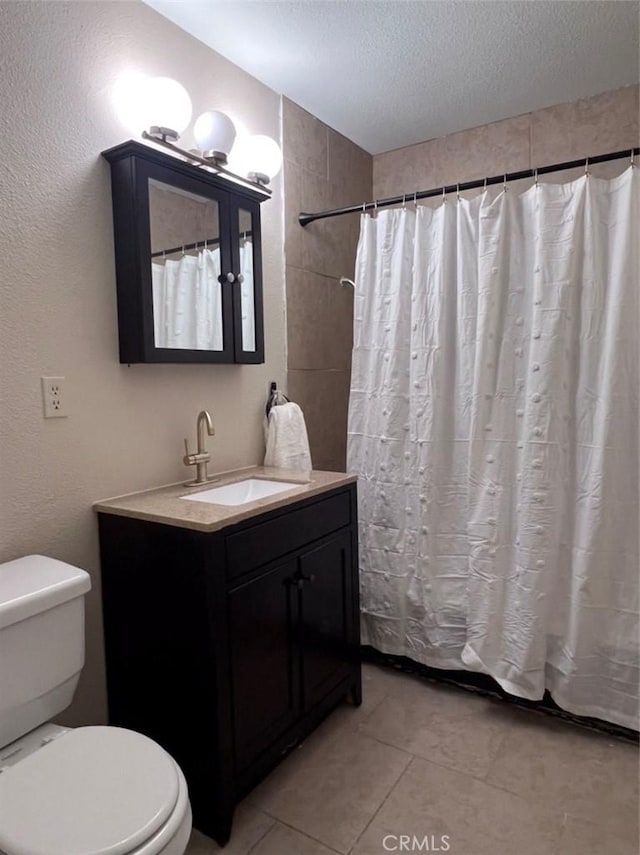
point(193, 459)
point(188, 459)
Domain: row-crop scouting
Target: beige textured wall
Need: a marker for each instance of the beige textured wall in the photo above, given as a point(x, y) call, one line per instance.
point(597, 125)
point(322, 170)
point(57, 299)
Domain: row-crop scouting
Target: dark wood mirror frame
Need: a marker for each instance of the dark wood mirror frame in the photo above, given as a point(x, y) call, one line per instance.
point(132, 166)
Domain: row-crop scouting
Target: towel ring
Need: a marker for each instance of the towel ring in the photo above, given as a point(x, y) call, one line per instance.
point(272, 400)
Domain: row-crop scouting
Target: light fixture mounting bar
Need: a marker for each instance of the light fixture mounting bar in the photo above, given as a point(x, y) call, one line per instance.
point(255, 185)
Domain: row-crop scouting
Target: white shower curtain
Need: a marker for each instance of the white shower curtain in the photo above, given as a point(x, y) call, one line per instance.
point(493, 424)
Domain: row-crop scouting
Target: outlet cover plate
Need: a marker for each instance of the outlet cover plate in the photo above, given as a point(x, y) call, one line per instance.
point(54, 400)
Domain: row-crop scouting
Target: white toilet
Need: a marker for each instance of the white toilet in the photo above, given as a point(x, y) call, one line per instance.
point(82, 791)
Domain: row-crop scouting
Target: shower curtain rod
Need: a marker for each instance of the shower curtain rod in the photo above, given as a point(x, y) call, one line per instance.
point(305, 218)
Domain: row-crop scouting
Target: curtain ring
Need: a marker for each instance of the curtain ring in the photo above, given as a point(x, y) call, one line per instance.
point(535, 176)
point(183, 250)
point(415, 198)
point(404, 201)
point(504, 183)
point(364, 207)
point(485, 185)
point(632, 157)
point(586, 166)
point(458, 192)
point(444, 195)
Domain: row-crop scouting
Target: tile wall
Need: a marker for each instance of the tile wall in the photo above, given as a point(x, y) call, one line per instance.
point(596, 125)
point(322, 169)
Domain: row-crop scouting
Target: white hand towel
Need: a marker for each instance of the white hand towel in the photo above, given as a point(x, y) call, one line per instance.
point(287, 440)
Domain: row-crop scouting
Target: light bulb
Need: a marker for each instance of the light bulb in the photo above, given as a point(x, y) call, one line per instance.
point(265, 158)
point(239, 158)
point(215, 134)
point(167, 107)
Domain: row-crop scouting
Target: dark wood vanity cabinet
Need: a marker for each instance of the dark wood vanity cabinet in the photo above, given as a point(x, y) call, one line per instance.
point(290, 624)
point(188, 260)
point(229, 647)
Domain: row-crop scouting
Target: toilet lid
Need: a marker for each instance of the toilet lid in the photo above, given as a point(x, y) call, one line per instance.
point(92, 791)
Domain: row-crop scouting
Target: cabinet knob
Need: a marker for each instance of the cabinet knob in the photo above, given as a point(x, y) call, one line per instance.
point(230, 277)
point(300, 578)
point(240, 278)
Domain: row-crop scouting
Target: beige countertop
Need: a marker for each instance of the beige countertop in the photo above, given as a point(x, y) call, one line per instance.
point(165, 505)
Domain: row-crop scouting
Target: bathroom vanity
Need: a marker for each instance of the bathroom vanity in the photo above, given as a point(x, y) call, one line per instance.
point(231, 631)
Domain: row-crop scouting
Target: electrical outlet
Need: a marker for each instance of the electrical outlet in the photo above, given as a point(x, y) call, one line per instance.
point(54, 398)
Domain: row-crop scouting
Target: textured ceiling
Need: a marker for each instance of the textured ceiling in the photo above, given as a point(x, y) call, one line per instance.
point(388, 74)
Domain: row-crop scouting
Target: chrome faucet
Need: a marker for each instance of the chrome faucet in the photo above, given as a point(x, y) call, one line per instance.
point(202, 456)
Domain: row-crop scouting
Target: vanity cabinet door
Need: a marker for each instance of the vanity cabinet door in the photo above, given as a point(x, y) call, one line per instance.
point(326, 619)
point(265, 690)
point(188, 281)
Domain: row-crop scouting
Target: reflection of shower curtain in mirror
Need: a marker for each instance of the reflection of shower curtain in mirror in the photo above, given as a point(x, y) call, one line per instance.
point(187, 302)
point(248, 314)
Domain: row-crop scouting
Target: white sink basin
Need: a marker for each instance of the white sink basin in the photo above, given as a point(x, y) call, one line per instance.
point(241, 492)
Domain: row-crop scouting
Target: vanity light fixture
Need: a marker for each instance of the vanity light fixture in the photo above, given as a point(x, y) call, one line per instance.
point(215, 134)
point(162, 106)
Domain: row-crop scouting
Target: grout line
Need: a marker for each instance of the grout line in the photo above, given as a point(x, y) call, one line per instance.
point(262, 836)
point(382, 804)
point(311, 837)
point(480, 780)
point(496, 756)
point(368, 715)
point(415, 756)
point(327, 144)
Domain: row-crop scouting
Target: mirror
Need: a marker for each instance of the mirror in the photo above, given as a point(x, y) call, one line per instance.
point(247, 300)
point(185, 269)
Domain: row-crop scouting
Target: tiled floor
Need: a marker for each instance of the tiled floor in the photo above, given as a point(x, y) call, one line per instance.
point(460, 773)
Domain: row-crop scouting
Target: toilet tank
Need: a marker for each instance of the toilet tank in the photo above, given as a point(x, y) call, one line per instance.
point(41, 641)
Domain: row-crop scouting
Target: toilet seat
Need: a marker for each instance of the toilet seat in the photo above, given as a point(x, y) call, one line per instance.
point(92, 791)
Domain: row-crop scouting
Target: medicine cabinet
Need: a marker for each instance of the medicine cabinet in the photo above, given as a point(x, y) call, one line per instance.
point(188, 261)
